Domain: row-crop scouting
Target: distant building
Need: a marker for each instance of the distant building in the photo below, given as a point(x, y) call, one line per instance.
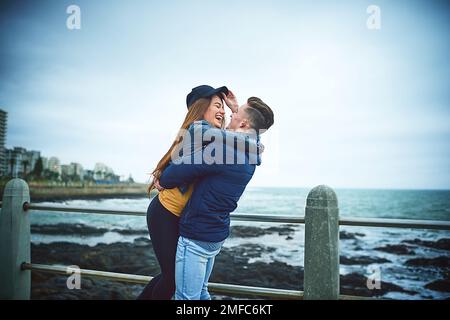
point(44, 163)
point(32, 157)
point(88, 175)
point(73, 170)
point(54, 165)
point(3, 130)
point(65, 169)
point(77, 169)
point(11, 161)
point(101, 170)
point(104, 174)
point(20, 162)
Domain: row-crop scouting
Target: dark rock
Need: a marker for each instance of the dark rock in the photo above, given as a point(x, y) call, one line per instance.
point(355, 284)
point(231, 266)
point(116, 257)
point(282, 230)
point(443, 244)
point(67, 229)
point(442, 285)
point(439, 262)
point(130, 231)
point(273, 275)
point(138, 258)
point(55, 288)
point(142, 242)
point(247, 251)
point(361, 260)
point(249, 232)
point(344, 235)
point(399, 249)
point(80, 229)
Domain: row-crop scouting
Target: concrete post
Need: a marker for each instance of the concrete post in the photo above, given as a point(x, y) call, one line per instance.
point(321, 276)
point(14, 241)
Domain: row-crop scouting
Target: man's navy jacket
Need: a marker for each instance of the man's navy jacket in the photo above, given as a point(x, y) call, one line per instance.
point(225, 168)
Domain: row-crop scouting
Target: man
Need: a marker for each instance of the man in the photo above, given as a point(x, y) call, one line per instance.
point(219, 183)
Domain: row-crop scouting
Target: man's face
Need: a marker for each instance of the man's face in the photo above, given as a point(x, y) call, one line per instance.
point(238, 119)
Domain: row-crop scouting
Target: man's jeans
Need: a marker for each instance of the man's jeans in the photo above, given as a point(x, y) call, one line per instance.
point(193, 265)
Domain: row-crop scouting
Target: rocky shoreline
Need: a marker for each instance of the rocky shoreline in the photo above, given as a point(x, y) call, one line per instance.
point(232, 265)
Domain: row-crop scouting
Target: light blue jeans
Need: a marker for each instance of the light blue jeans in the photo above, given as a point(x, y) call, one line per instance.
point(193, 265)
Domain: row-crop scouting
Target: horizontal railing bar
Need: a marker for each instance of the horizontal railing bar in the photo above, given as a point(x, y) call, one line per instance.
point(105, 275)
point(234, 216)
point(68, 209)
point(213, 287)
point(395, 223)
point(367, 222)
point(266, 218)
point(139, 279)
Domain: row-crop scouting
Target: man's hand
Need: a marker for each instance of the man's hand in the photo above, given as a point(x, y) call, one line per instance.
point(157, 185)
point(231, 101)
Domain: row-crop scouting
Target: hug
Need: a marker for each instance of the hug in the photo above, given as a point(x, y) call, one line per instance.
point(200, 181)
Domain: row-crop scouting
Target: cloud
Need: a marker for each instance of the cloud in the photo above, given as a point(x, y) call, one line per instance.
point(353, 107)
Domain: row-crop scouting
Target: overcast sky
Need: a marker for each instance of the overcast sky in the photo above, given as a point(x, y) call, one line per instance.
point(354, 107)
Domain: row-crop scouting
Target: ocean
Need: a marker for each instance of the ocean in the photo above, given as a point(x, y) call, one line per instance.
point(363, 242)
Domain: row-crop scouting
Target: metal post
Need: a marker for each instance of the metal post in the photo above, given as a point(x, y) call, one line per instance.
point(321, 276)
point(15, 241)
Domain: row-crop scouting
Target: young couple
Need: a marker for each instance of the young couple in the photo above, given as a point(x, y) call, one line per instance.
point(200, 180)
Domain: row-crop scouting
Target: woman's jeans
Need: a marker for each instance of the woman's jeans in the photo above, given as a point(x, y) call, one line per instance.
point(164, 232)
point(194, 263)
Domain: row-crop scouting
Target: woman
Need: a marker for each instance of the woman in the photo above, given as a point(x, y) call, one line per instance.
point(204, 103)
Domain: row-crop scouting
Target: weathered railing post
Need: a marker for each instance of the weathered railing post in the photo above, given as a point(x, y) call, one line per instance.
point(14, 241)
point(321, 277)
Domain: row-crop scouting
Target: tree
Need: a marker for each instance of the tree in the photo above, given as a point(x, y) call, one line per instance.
point(50, 175)
point(38, 168)
point(25, 164)
point(12, 162)
point(65, 179)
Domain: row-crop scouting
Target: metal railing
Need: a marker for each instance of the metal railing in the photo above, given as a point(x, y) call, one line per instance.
point(140, 279)
point(361, 222)
point(321, 267)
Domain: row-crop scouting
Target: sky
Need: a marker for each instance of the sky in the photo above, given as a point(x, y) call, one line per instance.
point(354, 107)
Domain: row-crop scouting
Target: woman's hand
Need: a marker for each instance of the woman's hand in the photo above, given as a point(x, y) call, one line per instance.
point(157, 185)
point(231, 101)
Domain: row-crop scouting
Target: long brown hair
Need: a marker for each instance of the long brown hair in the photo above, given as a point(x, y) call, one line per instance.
point(195, 112)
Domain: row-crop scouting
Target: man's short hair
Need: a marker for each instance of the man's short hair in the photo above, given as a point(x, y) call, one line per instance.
point(260, 115)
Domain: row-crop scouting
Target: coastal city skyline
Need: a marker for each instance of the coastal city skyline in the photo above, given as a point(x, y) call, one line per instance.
point(355, 107)
point(19, 162)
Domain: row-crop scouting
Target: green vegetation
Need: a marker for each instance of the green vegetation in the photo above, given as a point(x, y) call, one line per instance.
point(50, 185)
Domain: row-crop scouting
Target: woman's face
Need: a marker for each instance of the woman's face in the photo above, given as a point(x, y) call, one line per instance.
point(215, 113)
